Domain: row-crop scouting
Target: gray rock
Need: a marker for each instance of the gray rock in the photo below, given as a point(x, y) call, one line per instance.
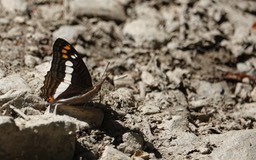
point(131, 143)
point(80, 49)
point(243, 90)
point(12, 86)
point(181, 55)
point(149, 108)
point(4, 21)
point(148, 21)
point(2, 73)
point(69, 33)
point(139, 30)
point(155, 102)
point(14, 5)
point(52, 12)
point(206, 89)
point(148, 78)
point(41, 137)
point(243, 67)
point(19, 19)
point(32, 61)
point(253, 94)
point(43, 68)
point(108, 9)
point(234, 145)
point(88, 114)
point(123, 81)
point(123, 97)
point(176, 75)
point(110, 153)
point(246, 110)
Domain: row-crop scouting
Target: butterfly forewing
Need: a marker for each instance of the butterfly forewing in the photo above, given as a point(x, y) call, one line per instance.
point(68, 75)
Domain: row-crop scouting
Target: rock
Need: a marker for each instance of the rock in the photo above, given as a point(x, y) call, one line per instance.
point(80, 49)
point(176, 125)
point(88, 114)
point(30, 111)
point(234, 145)
point(131, 142)
point(197, 104)
point(155, 102)
point(208, 90)
point(148, 12)
point(110, 153)
point(148, 78)
point(108, 9)
point(4, 21)
point(123, 97)
point(139, 30)
point(43, 68)
point(20, 19)
point(149, 108)
point(148, 21)
point(243, 90)
point(14, 5)
point(52, 12)
point(243, 67)
point(41, 137)
point(123, 81)
point(32, 61)
point(12, 86)
point(253, 94)
point(2, 73)
point(246, 111)
point(181, 55)
point(176, 76)
point(69, 33)
point(204, 149)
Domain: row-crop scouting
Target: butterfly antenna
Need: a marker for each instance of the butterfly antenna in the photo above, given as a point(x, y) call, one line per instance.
point(105, 72)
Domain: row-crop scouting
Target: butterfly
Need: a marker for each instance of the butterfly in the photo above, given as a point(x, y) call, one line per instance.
point(68, 81)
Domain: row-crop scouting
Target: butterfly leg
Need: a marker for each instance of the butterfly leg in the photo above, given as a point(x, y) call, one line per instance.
point(47, 111)
point(51, 109)
point(55, 109)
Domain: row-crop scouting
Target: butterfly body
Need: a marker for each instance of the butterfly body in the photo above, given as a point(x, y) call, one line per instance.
point(69, 80)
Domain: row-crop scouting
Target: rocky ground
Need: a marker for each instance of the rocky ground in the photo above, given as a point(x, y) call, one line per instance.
point(181, 84)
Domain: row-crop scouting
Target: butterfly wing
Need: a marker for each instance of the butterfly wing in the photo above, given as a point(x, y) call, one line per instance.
point(68, 75)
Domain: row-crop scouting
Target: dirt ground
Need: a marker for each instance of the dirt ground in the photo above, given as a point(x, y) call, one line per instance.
point(182, 72)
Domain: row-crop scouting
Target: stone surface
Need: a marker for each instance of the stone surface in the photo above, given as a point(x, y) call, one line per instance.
point(138, 30)
point(108, 9)
point(15, 5)
point(41, 137)
point(131, 143)
point(13, 85)
point(31, 61)
point(90, 115)
point(234, 145)
point(124, 97)
point(110, 153)
point(69, 33)
point(148, 78)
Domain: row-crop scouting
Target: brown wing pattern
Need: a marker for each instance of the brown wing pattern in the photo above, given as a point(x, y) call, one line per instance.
point(65, 63)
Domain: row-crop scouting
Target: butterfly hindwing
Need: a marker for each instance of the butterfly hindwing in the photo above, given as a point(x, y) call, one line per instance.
point(68, 75)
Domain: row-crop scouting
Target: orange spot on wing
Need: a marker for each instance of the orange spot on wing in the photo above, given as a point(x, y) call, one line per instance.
point(64, 51)
point(67, 47)
point(64, 56)
point(50, 99)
